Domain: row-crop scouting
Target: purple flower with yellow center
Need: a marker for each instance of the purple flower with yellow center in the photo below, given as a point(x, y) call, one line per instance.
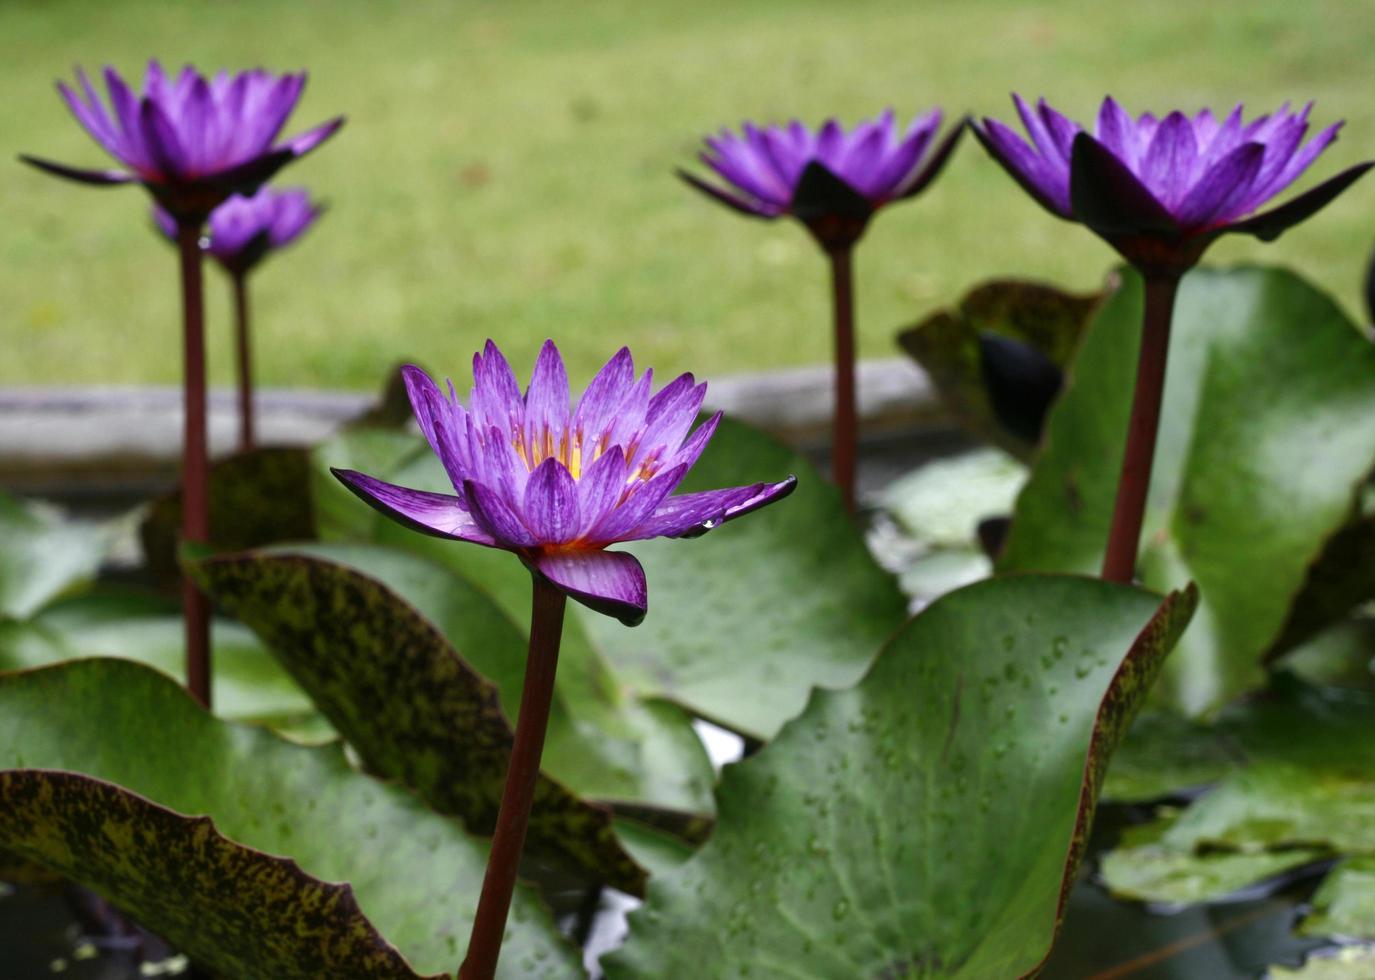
point(1160, 190)
point(558, 487)
point(831, 180)
point(245, 230)
point(191, 141)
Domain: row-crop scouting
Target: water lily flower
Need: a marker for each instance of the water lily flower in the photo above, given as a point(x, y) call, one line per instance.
point(191, 141)
point(1160, 190)
point(558, 487)
point(831, 180)
point(245, 230)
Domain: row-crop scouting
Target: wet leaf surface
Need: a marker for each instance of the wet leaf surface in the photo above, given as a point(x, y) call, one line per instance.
point(1268, 433)
point(884, 833)
point(228, 841)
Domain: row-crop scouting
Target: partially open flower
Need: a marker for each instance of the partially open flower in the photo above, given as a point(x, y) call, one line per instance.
point(557, 487)
point(831, 180)
point(243, 230)
point(191, 141)
point(1161, 190)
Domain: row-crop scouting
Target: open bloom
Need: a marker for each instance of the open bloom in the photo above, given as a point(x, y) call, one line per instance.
point(558, 487)
point(191, 141)
point(243, 230)
point(1161, 190)
point(831, 180)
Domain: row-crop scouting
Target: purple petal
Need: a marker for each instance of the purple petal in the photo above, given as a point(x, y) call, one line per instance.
point(551, 503)
point(430, 407)
point(746, 208)
point(305, 142)
point(641, 502)
point(602, 397)
point(1108, 197)
point(126, 108)
point(546, 400)
point(1117, 132)
point(1225, 186)
point(1298, 163)
point(669, 418)
point(494, 516)
point(160, 136)
point(692, 514)
point(100, 178)
point(1050, 189)
point(496, 400)
point(430, 513)
point(1271, 224)
point(600, 488)
point(691, 450)
point(928, 172)
point(92, 118)
point(609, 582)
point(1168, 170)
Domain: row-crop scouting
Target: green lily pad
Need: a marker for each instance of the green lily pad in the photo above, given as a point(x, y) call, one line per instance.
point(257, 497)
point(744, 622)
point(1301, 784)
point(1164, 755)
point(381, 452)
point(1268, 431)
point(228, 841)
point(1345, 904)
point(1142, 869)
point(1351, 963)
point(929, 821)
point(405, 660)
point(43, 556)
point(946, 344)
point(248, 685)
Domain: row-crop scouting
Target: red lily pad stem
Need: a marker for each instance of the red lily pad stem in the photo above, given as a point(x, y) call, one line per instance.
point(243, 353)
point(537, 694)
point(195, 464)
point(1119, 564)
point(845, 424)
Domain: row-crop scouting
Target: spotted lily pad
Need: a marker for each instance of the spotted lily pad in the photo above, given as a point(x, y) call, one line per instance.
point(411, 663)
point(254, 856)
point(929, 821)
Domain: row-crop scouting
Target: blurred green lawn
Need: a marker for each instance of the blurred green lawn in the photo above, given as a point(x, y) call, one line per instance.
point(506, 170)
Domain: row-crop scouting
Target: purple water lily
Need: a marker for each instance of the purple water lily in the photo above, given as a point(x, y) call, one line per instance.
point(1160, 190)
point(831, 180)
point(191, 141)
point(244, 230)
point(558, 487)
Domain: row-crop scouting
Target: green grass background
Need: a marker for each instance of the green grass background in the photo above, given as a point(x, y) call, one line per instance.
point(506, 170)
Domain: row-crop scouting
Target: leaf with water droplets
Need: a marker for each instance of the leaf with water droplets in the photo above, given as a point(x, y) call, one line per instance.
point(1267, 434)
point(949, 847)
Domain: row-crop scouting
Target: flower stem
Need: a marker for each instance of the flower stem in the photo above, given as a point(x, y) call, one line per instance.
point(546, 629)
point(845, 425)
point(244, 355)
point(1119, 565)
point(195, 509)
